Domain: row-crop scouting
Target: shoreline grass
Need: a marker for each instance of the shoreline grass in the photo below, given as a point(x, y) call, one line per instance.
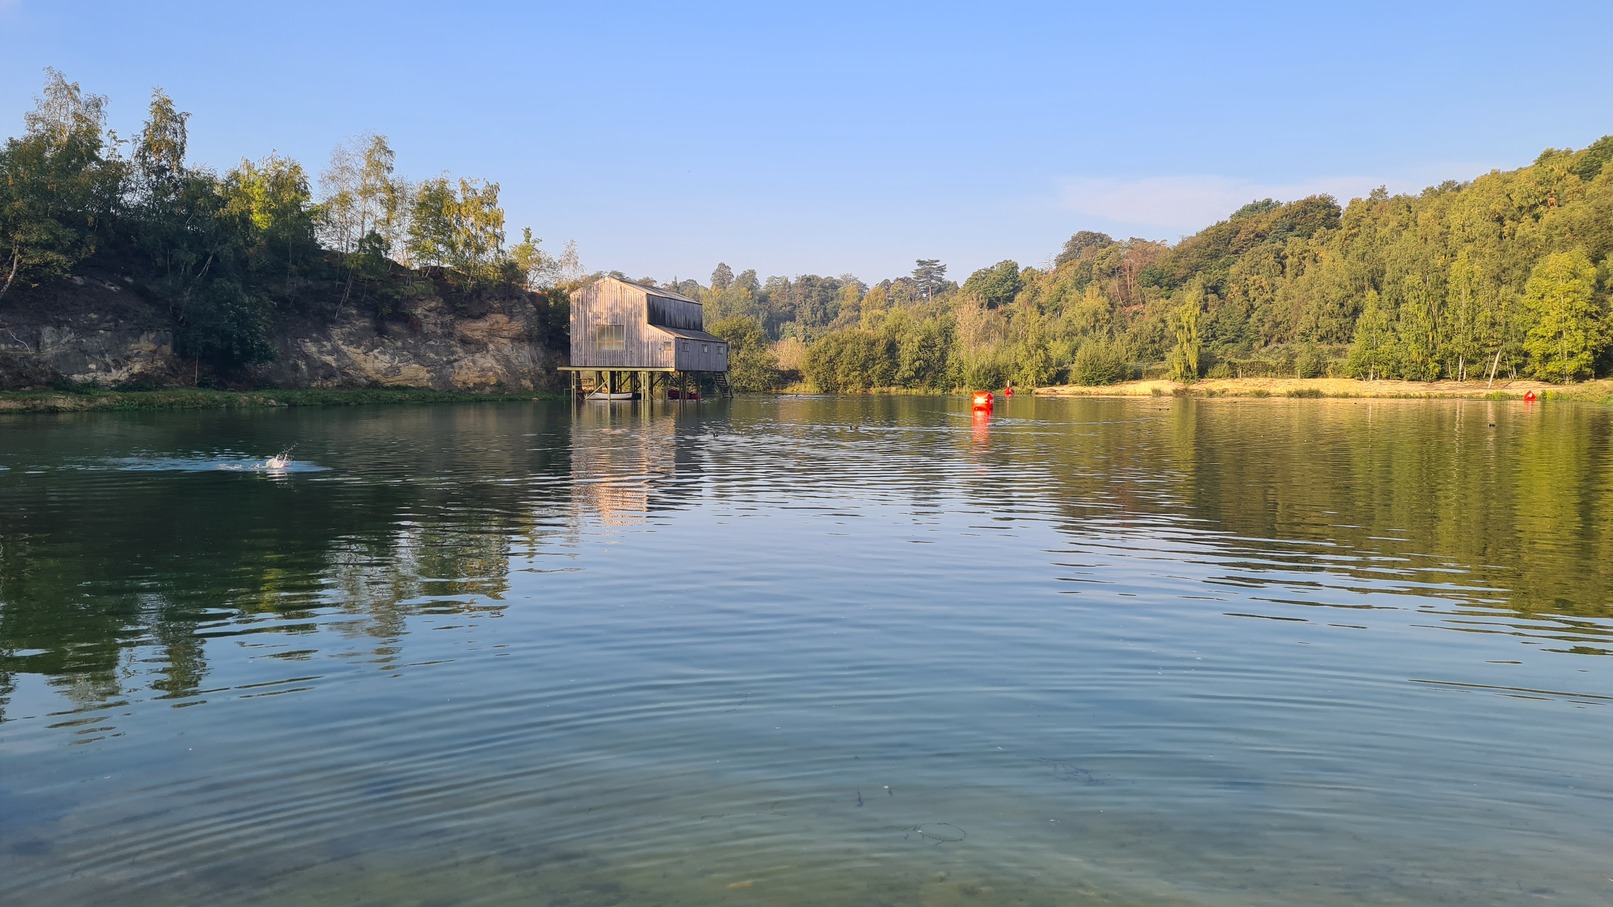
point(1599, 391)
point(102, 400)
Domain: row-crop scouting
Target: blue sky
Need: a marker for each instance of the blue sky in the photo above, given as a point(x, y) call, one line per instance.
point(836, 138)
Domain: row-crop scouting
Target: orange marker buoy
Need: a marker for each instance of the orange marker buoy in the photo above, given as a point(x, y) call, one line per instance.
point(1529, 397)
point(982, 400)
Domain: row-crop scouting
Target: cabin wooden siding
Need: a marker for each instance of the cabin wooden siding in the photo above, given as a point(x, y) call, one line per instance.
point(656, 331)
point(697, 351)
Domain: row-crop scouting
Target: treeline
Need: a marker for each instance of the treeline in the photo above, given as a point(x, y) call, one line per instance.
point(1508, 274)
point(231, 253)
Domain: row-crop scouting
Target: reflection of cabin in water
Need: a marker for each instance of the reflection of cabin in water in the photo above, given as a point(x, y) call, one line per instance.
point(630, 462)
point(626, 338)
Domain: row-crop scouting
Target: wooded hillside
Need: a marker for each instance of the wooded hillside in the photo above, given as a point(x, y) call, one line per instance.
point(1509, 272)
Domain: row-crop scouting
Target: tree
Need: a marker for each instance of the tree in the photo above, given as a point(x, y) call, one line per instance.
point(159, 153)
point(1184, 356)
point(227, 327)
point(1098, 362)
point(534, 268)
point(751, 364)
point(722, 277)
point(1078, 245)
point(271, 200)
point(929, 276)
point(1417, 331)
point(56, 189)
point(568, 267)
point(361, 195)
point(461, 231)
point(1567, 328)
point(996, 285)
point(850, 361)
point(1372, 352)
point(1465, 317)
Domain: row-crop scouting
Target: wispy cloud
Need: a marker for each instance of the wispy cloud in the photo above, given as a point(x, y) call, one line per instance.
point(1186, 204)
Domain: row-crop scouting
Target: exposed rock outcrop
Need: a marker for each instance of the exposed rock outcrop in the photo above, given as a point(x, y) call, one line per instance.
point(98, 330)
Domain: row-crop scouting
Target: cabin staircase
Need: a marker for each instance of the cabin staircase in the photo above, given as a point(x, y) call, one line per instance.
point(724, 389)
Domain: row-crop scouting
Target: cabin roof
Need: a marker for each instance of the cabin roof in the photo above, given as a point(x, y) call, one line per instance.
point(658, 291)
point(688, 334)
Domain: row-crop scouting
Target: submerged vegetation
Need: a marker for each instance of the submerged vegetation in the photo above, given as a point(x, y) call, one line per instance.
point(1506, 275)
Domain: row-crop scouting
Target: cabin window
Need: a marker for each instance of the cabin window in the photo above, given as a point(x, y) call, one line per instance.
point(705, 347)
point(611, 338)
point(684, 345)
point(666, 346)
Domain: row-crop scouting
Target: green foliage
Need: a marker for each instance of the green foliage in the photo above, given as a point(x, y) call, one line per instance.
point(1099, 362)
point(923, 351)
point(929, 275)
point(1568, 328)
point(56, 188)
point(226, 326)
point(1184, 356)
point(1372, 354)
point(362, 196)
point(270, 202)
point(1453, 281)
point(1080, 244)
point(996, 285)
point(462, 231)
point(850, 361)
point(159, 153)
point(751, 363)
point(534, 269)
point(1311, 362)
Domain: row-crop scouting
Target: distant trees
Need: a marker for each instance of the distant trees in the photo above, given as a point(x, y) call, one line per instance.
point(929, 275)
point(1511, 272)
point(1079, 244)
point(996, 285)
point(752, 366)
point(1567, 327)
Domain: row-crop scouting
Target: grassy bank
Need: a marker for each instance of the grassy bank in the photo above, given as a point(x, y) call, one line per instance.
point(1591, 391)
point(195, 398)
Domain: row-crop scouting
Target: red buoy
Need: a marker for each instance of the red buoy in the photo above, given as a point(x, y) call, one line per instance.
point(983, 400)
point(1529, 397)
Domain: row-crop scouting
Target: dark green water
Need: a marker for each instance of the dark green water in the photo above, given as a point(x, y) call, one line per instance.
point(810, 651)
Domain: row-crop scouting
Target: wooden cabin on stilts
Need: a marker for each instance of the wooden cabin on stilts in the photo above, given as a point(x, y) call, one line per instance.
point(630, 341)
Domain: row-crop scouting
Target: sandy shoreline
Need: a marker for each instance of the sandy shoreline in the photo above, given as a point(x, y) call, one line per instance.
point(1600, 391)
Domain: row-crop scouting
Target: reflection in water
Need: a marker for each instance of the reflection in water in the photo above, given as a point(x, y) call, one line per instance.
point(810, 650)
point(627, 460)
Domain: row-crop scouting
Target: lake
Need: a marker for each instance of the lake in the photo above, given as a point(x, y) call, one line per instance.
point(810, 651)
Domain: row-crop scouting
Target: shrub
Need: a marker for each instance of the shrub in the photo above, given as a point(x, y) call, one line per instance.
point(1310, 363)
point(1098, 362)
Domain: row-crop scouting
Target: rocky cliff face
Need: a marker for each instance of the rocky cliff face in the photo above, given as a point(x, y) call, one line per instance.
point(97, 330)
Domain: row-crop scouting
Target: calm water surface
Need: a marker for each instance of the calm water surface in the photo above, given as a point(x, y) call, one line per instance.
point(810, 651)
